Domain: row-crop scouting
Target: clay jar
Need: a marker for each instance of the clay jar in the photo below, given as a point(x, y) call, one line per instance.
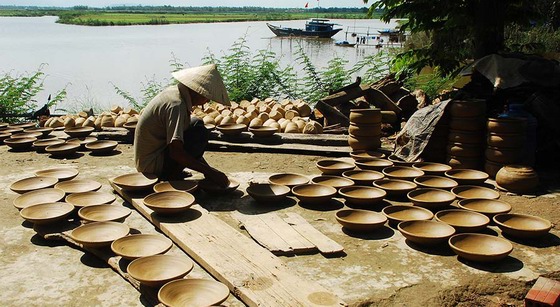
point(517, 178)
point(506, 140)
point(365, 116)
point(507, 125)
point(364, 142)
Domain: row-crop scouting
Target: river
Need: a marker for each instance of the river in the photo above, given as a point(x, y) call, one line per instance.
point(88, 60)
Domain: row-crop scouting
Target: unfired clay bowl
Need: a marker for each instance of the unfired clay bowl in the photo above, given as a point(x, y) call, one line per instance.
point(41, 145)
point(360, 220)
point(33, 183)
point(467, 176)
point(362, 195)
point(432, 168)
point(473, 191)
point(92, 198)
point(79, 132)
point(82, 141)
point(363, 177)
point(103, 213)
point(22, 135)
point(431, 198)
point(193, 292)
point(43, 130)
point(65, 149)
point(333, 167)
point(435, 182)
point(268, 192)
point(463, 220)
point(61, 173)
point(373, 164)
point(367, 154)
point(177, 185)
point(20, 144)
point(263, 131)
point(400, 213)
point(488, 207)
point(480, 247)
point(46, 213)
point(99, 234)
point(48, 195)
point(395, 187)
point(333, 181)
point(313, 193)
point(211, 188)
point(155, 271)
point(169, 202)
point(102, 146)
point(78, 186)
point(522, 225)
point(135, 181)
point(232, 129)
point(288, 179)
point(141, 245)
point(402, 172)
point(426, 232)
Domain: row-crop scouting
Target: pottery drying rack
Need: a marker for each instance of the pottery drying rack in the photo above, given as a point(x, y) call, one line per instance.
point(252, 273)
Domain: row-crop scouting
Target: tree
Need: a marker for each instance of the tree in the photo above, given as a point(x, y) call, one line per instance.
point(458, 30)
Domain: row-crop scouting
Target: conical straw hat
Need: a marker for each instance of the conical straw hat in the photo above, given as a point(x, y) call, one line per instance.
point(205, 80)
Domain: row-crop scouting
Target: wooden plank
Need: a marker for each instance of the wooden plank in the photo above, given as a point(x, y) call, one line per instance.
point(284, 138)
point(293, 238)
point(325, 244)
point(263, 234)
point(251, 272)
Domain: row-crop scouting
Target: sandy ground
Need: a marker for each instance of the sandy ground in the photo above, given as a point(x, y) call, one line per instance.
point(379, 269)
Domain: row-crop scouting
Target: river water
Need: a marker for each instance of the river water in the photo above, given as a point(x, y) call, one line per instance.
point(88, 60)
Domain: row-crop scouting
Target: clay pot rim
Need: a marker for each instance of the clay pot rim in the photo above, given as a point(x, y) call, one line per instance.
point(220, 292)
point(76, 233)
point(138, 263)
point(119, 211)
point(499, 220)
point(412, 184)
point(419, 165)
point(418, 180)
point(399, 208)
point(27, 212)
point(462, 202)
point(402, 228)
point(452, 241)
point(127, 239)
point(347, 181)
point(339, 215)
point(462, 211)
point(461, 188)
point(300, 178)
point(412, 195)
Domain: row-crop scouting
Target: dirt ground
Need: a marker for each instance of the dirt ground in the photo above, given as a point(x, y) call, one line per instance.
point(379, 269)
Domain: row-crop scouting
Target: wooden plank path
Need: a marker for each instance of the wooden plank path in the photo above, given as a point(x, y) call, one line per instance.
point(251, 272)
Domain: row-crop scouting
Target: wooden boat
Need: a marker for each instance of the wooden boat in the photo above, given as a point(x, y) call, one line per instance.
point(313, 28)
point(345, 44)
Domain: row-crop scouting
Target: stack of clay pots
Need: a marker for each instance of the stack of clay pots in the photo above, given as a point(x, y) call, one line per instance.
point(465, 147)
point(505, 140)
point(435, 150)
point(365, 129)
point(117, 117)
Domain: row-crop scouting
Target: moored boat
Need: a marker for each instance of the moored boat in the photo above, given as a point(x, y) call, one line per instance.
point(321, 28)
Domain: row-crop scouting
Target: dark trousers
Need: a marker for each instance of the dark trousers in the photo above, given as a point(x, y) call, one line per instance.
point(195, 140)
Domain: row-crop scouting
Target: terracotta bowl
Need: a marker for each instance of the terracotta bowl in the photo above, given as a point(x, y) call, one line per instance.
point(268, 192)
point(48, 195)
point(360, 220)
point(426, 232)
point(155, 271)
point(363, 177)
point(23, 135)
point(92, 198)
point(169, 202)
point(193, 292)
point(78, 186)
point(373, 164)
point(367, 154)
point(488, 207)
point(33, 183)
point(287, 179)
point(402, 172)
point(135, 181)
point(177, 185)
point(435, 182)
point(232, 129)
point(43, 130)
point(82, 141)
point(20, 144)
point(210, 187)
point(79, 132)
point(463, 220)
point(473, 191)
point(522, 225)
point(431, 198)
point(333, 167)
point(141, 245)
point(480, 247)
point(400, 213)
point(467, 176)
point(395, 187)
point(99, 234)
point(46, 213)
point(263, 131)
point(61, 173)
point(313, 193)
point(432, 168)
point(41, 145)
point(362, 195)
point(102, 147)
point(104, 213)
point(64, 149)
point(333, 181)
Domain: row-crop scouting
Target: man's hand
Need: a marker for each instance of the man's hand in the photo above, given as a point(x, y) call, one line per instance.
point(217, 177)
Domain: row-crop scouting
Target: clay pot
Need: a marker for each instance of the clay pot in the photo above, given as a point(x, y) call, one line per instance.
point(503, 155)
point(364, 130)
point(104, 213)
point(334, 167)
point(155, 271)
point(363, 177)
point(467, 176)
point(193, 292)
point(46, 213)
point(314, 193)
point(373, 164)
point(517, 178)
point(463, 220)
point(464, 150)
point(333, 181)
point(61, 173)
point(522, 225)
point(474, 192)
point(480, 247)
point(365, 116)
point(488, 207)
point(169, 202)
point(467, 108)
point(395, 187)
point(467, 124)
point(99, 234)
point(436, 182)
point(431, 198)
point(79, 132)
point(362, 195)
point(141, 245)
point(507, 125)
point(465, 137)
point(400, 213)
point(20, 144)
point(268, 192)
point(426, 232)
point(288, 179)
point(364, 142)
point(430, 168)
point(402, 172)
point(360, 220)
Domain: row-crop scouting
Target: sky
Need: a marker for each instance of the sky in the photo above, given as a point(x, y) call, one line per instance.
point(232, 3)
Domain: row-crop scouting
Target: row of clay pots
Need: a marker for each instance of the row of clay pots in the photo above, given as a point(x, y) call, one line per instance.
point(505, 140)
point(365, 129)
point(105, 119)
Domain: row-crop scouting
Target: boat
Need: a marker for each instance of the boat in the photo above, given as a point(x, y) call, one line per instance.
point(388, 31)
point(315, 27)
point(345, 44)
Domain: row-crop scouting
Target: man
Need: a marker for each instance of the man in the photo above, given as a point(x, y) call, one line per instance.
point(167, 140)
